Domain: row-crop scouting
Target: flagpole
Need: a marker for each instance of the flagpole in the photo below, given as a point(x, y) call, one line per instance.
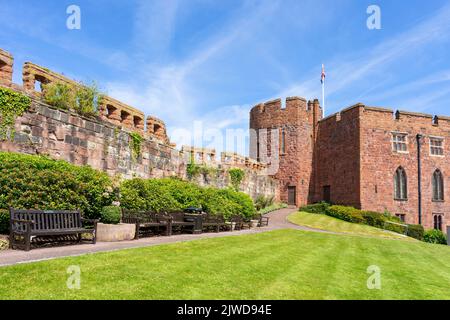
point(323, 98)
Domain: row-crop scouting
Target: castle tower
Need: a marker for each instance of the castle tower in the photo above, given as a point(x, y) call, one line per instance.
point(284, 138)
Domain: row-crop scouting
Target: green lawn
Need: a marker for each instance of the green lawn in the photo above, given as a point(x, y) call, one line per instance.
point(324, 222)
point(284, 264)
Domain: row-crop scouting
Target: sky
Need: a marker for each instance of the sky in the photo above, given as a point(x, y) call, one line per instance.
point(200, 65)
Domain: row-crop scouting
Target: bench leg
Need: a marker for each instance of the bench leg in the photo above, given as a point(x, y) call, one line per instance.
point(27, 243)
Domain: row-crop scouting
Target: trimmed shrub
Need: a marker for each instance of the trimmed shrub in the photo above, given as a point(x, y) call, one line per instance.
point(416, 231)
point(396, 227)
point(435, 236)
point(111, 215)
point(263, 202)
point(273, 207)
point(348, 214)
point(167, 195)
point(4, 222)
point(36, 182)
point(148, 195)
point(374, 219)
point(318, 208)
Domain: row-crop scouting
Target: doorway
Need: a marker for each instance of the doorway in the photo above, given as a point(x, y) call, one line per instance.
point(327, 194)
point(292, 196)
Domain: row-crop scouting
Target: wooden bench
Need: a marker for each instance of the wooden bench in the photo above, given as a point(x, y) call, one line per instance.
point(146, 220)
point(240, 223)
point(186, 222)
point(25, 225)
point(263, 221)
point(216, 222)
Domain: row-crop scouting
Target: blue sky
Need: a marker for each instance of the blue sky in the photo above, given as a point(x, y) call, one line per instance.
point(212, 60)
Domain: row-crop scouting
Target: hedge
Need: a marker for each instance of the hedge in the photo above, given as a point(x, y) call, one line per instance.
point(435, 236)
point(4, 222)
point(348, 214)
point(318, 208)
point(167, 195)
point(416, 231)
point(37, 182)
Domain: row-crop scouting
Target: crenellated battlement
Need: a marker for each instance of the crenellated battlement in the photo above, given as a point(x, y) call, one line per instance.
point(110, 109)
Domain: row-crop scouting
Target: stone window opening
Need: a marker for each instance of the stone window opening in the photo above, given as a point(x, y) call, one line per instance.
point(157, 129)
point(110, 111)
point(437, 221)
point(137, 121)
point(3, 65)
point(283, 141)
point(124, 116)
point(400, 185)
point(400, 142)
point(438, 186)
point(436, 146)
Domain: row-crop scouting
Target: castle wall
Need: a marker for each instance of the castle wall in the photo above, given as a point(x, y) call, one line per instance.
point(379, 163)
point(105, 143)
point(292, 164)
point(337, 161)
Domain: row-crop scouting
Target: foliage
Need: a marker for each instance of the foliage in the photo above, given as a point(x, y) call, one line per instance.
point(318, 208)
point(374, 219)
point(435, 236)
point(4, 221)
point(416, 231)
point(12, 105)
point(166, 195)
point(192, 170)
point(111, 215)
point(60, 95)
point(263, 202)
point(236, 176)
point(273, 207)
point(36, 182)
point(83, 99)
point(136, 144)
point(348, 214)
point(4, 244)
point(396, 227)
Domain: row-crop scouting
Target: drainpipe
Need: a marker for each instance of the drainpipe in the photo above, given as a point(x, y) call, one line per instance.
point(419, 175)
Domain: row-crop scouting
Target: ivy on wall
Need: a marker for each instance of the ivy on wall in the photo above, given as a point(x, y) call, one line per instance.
point(12, 105)
point(236, 176)
point(136, 144)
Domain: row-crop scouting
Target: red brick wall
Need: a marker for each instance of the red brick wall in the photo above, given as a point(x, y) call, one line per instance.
point(336, 157)
point(379, 163)
point(295, 166)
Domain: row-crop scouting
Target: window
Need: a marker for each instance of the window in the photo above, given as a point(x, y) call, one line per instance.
point(438, 186)
point(401, 216)
point(437, 221)
point(399, 142)
point(283, 141)
point(436, 146)
point(400, 184)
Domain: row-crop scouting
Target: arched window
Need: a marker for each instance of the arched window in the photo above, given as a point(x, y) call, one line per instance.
point(437, 221)
point(438, 186)
point(400, 184)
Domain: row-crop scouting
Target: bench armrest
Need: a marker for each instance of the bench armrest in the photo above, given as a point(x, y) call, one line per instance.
point(26, 223)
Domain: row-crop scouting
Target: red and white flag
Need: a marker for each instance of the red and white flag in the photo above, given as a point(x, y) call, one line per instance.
point(322, 78)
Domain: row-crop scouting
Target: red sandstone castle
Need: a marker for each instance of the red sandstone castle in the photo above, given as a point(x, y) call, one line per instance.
point(367, 157)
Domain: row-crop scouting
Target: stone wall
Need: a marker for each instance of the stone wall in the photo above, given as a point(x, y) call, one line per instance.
point(105, 142)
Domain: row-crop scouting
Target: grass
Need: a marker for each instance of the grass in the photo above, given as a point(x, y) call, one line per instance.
point(282, 264)
point(324, 222)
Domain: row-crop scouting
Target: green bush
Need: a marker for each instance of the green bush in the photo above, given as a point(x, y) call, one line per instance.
point(374, 219)
point(435, 236)
point(236, 177)
point(416, 231)
point(111, 215)
point(273, 207)
point(348, 214)
point(318, 208)
point(60, 95)
point(166, 195)
point(396, 227)
point(149, 195)
point(4, 222)
point(36, 182)
point(263, 202)
point(12, 105)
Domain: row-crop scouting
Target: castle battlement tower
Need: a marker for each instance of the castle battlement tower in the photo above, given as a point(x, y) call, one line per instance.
point(284, 137)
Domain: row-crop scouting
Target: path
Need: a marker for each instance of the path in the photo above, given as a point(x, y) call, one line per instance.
point(278, 220)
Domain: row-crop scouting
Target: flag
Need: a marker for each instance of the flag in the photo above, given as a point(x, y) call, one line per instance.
point(322, 78)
